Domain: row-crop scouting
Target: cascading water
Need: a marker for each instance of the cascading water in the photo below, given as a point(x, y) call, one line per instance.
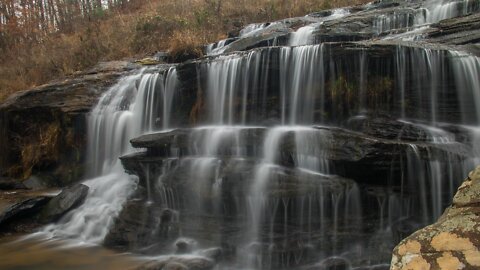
point(127, 110)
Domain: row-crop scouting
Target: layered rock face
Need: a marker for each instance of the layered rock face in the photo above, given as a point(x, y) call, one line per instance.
point(450, 243)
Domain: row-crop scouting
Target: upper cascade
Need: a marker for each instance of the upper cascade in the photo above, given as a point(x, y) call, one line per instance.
point(387, 19)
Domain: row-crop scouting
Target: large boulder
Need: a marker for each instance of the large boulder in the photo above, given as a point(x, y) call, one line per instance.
point(67, 200)
point(453, 242)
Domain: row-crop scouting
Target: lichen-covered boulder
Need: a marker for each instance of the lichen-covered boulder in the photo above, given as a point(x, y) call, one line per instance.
point(453, 242)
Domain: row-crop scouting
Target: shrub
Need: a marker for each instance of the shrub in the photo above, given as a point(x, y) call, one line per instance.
point(186, 44)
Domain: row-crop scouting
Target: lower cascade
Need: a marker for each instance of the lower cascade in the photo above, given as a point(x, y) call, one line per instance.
point(303, 152)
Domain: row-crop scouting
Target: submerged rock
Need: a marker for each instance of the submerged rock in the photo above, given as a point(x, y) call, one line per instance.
point(453, 242)
point(68, 199)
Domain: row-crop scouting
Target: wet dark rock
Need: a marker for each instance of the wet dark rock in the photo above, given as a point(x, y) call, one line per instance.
point(69, 199)
point(140, 227)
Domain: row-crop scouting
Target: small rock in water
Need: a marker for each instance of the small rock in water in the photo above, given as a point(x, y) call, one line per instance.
point(167, 218)
point(184, 245)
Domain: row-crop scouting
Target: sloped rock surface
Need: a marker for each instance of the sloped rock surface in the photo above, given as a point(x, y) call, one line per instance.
point(21, 208)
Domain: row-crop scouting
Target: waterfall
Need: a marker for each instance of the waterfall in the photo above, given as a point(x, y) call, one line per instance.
point(467, 78)
point(301, 72)
point(303, 155)
point(127, 110)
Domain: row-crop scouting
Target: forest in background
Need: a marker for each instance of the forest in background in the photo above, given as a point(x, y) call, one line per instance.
point(45, 39)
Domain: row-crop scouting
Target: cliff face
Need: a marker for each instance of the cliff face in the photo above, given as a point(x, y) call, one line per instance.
point(453, 242)
point(43, 130)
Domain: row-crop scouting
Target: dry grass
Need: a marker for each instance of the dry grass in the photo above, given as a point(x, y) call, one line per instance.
point(144, 27)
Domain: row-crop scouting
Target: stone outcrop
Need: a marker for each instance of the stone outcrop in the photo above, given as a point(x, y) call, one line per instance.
point(43, 130)
point(453, 242)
